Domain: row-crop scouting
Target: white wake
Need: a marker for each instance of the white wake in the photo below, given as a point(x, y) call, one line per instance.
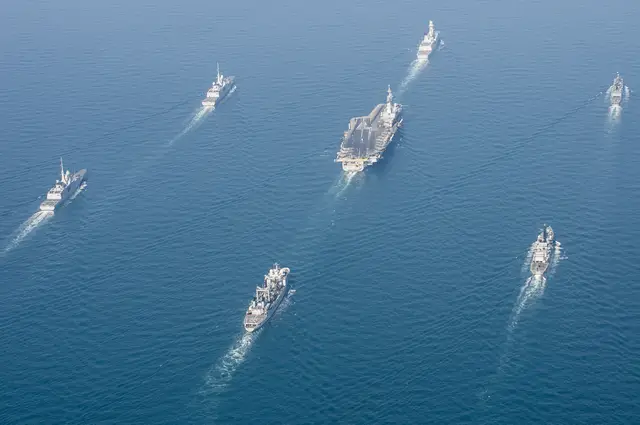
point(221, 374)
point(195, 122)
point(342, 184)
point(31, 224)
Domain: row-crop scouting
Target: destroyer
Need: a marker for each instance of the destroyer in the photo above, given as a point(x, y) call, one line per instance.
point(220, 88)
point(542, 251)
point(63, 189)
point(268, 298)
point(616, 90)
point(428, 43)
point(367, 137)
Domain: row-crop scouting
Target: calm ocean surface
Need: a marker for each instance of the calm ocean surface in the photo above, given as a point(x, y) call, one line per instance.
point(411, 302)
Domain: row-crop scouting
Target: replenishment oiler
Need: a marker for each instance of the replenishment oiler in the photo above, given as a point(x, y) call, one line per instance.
point(367, 137)
point(63, 189)
point(542, 251)
point(268, 298)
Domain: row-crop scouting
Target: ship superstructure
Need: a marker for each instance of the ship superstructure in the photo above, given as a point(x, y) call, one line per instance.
point(268, 298)
point(429, 42)
point(220, 88)
point(367, 137)
point(63, 189)
point(616, 90)
point(542, 252)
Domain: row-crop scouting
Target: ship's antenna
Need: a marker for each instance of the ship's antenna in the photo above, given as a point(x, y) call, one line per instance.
point(218, 66)
point(61, 169)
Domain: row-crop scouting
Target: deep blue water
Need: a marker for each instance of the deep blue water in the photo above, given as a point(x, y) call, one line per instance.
point(126, 306)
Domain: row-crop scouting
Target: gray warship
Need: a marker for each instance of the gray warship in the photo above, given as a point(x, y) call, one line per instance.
point(429, 43)
point(616, 90)
point(63, 189)
point(542, 251)
point(268, 298)
point(220, 88)
point(367, 137)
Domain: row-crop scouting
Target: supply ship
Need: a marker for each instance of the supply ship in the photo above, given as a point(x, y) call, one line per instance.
point(63, 189)
point(268, 298)
point(367, 137)
point(220, 88)
point(428, 43)
point(616, 90)
point(542, 251)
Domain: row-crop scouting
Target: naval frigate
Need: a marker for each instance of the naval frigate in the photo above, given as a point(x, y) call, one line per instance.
point(268, 298)
point(429, 42)
point(542, 252)
point(367, 137)
point(220, 88)
point(616, 90)
point(63, 189)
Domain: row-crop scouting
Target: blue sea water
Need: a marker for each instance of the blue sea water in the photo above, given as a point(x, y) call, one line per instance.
point(411, 304)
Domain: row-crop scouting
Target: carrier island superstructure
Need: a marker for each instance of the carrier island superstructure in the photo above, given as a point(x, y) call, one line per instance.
point(367, 137)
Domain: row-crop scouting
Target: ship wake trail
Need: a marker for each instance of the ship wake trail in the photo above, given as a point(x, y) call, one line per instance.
point(342, 184)
point(31, 224)
point(218, 378)
point(415, 68)
point(532, 289)
point(195, 121)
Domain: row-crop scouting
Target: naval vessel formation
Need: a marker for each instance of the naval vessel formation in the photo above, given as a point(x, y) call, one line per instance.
point(542, 251)
point(267, 299)
point(362, 145)
point(367, 137)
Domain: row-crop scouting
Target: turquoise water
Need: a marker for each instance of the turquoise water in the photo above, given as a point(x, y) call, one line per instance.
point(411, 302)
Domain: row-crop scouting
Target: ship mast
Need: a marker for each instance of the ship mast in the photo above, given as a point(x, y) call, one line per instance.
point(61, 171)
point(219, 80)
point(431, 28)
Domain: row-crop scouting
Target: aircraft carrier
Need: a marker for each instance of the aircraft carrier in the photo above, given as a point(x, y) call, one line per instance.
point(367, 137)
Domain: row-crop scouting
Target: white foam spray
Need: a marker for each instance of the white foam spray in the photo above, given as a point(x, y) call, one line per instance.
point(527, 260)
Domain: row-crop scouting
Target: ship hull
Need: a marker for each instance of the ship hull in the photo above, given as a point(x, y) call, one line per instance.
point(226, 89)
point(424, 54)
point(52, 204)
point(271, 311)
point(616, 98)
